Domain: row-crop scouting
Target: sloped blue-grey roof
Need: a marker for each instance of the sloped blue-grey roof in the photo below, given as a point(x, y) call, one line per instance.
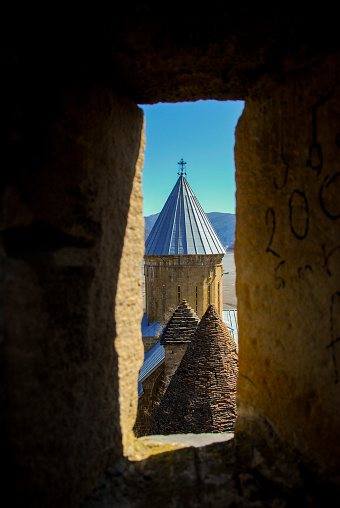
point(230, 319)
point(154, 356)
point(152, 359)
point(153, 330)
point(182, 227)
point(144, 322)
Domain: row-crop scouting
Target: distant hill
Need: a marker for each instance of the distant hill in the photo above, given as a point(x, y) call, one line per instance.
point(149, 222)
point(223, 223)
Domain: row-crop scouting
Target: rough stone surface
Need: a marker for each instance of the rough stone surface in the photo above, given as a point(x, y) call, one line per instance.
point(169, 279)
point(243, 472)
point(222, 52)
point(129, 307)
point(181, 326)
point(287, 152)
point(201, 396)
point(153, 389)
point(73, 142)
point(173, 357)
point(65, 224)
point(149, 343)
point(175, 338)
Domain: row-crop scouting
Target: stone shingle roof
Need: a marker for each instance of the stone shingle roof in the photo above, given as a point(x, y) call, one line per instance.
point(201, 396)
point(182, 227)
point(181, 326)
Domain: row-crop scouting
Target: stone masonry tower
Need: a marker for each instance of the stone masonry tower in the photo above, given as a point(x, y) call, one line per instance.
point(183, 257)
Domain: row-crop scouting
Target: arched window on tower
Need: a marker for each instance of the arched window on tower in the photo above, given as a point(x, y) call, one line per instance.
point(179, 294)
point(209, 297)
point(196, 298)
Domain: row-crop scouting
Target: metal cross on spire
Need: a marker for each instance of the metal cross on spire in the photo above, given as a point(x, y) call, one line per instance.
point(182, 170)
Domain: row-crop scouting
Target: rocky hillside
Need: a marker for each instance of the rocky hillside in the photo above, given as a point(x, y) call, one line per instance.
point(223, 223)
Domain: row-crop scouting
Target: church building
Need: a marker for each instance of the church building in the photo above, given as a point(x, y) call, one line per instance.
point(183, 257)
point(183, 278)
point(201, 396)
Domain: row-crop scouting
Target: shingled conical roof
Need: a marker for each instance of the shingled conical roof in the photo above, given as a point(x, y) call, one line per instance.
point(201, 396)
point(181, 326)
point(182, 227)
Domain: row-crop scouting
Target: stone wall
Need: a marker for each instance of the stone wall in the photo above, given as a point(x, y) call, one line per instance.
point(153, 389)
point(288, 294)
point(72, 245)
point(149, 343)
point(173, 357)
point(70, 199)
point(169, 279)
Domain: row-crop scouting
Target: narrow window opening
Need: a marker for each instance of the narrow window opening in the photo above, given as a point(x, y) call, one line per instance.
point(215, 190)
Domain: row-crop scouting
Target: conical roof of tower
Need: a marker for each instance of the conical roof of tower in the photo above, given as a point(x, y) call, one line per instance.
point(201, 396)
point(182, 227)
point(181, 326)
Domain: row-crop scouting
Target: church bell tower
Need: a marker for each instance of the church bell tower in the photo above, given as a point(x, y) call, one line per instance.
point(183, 257)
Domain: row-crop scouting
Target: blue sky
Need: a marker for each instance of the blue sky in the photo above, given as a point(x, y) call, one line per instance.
point(203, 134)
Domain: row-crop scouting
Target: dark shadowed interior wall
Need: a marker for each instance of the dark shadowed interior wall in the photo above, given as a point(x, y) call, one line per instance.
point(72, 243)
